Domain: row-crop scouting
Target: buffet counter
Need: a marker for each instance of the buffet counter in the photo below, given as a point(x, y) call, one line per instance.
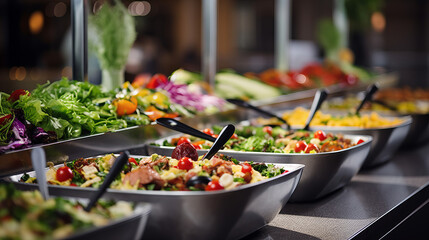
point(390, 201)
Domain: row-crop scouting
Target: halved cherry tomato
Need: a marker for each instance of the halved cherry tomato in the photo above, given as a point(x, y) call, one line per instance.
point(246, 168)
point(300, 146)
point(141, 80)
point(319, 134)
point(64, 173)
point(5, 118)
point(185, 163)
point(310, 147)
point(285, 171)
point(182, 140)
point(360, 141)
point(157, 80)
point(73, 184)
point(208, 131)
point(234, 136)
point(125, 106)
point(214, 185)
point(14, 96)
point(268, 130)
point(132, 160)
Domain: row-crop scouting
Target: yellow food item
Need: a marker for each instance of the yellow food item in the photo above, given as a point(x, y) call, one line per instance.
point(373, 120)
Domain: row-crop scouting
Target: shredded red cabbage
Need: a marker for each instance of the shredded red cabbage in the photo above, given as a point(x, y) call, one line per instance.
point(180, 94)
point(19, 138)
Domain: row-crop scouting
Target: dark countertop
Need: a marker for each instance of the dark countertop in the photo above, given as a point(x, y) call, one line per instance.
point(376, 201)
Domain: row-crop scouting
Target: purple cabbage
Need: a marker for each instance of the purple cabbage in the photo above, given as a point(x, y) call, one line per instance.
point(180, 94)
point(19, 138)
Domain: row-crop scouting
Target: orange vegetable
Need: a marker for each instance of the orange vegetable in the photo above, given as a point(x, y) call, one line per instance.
point(125, 106)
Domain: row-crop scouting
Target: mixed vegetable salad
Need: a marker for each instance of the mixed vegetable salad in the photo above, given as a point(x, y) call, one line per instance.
point(158, 172)
point(270, 139)
point(67, 109)
point(26, 215)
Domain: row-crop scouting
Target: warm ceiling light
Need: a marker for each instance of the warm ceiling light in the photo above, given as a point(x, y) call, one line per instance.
point(60, 9)
point(378, 21)
point(36, 22)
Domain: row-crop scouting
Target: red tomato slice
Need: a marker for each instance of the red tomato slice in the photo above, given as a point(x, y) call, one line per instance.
point(319, 134)
point(246, 168)
point(268, 130)
point(132, 160)
point(214, 186)
point(208, 131)
point(157, 80)
point(185, 163)
point(183, 140)
point(310, 147)
point(300, 146)
point(64, 173)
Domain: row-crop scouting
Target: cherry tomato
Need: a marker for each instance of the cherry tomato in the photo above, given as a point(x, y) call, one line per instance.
point(300, 146)
point(5, 118)
point(14, 96)
point(157, 80)
point(246, 168)
point(268, 130)
point(182, 140)
point(214, 186)
point(360, 141)
point(185, 163)
point(310, 147)
point(64, 173)
point(73, 184)
point(125, 106)
point(319, 134)
point(285, 171)
point(141, 80)
point(208, 131)
point(234, 136)
point(132, 160)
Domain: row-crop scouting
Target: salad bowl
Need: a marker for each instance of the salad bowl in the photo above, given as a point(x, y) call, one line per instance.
point(324, 172)
point(223, 214)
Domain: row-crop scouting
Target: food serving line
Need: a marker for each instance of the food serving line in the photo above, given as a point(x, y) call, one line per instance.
point(371, 205)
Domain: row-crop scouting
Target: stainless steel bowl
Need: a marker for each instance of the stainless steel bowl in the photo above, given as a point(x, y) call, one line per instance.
point(324, 172)
point(130, 227)
point(224, 214)
point(386, 140)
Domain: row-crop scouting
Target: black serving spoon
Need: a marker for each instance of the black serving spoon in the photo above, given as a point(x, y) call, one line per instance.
point(319, 97)
point(113, 172)
point(183, 128)
point(223, 137)
point(368, 96)
point(245, 104)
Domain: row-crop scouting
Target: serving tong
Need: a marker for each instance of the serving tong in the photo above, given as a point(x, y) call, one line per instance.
point(38, 160)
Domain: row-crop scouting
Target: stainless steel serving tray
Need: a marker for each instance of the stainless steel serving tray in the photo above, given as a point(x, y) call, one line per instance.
point(323, 174)
point(224, 214)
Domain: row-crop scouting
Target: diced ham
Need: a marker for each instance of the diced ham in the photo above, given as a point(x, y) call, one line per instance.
point(143, 175)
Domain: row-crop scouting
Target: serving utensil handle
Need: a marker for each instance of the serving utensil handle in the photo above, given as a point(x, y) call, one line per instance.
point(183, 128)
point(113, 172)
point(223, 137)
point(319, 98)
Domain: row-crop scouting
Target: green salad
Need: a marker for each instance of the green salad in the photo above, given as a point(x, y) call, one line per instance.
point(270, 139)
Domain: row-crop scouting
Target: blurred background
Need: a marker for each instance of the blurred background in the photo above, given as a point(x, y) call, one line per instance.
point(35, 38)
